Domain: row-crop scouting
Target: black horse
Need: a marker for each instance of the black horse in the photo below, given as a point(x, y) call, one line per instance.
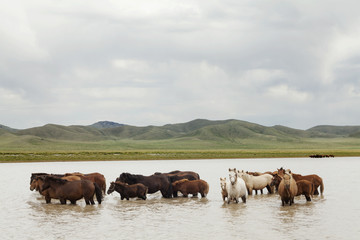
point(154, 182)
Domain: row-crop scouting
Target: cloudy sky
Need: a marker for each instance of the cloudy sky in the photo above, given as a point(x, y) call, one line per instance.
point(142, 62)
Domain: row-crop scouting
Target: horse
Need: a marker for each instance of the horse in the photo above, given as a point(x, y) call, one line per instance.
point(256, 182)
point(235, 187)
point(73, 190)
point(287, 189)
point(305, 188)
point(128, 191)
point(37, 184)
point(194, 187)
point(178, 175)
point(224, 193)
point(94, 177)
point(315, 179)
point(154, 182)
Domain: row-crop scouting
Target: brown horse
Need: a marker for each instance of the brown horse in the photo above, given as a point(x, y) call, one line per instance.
point(224, 192)
point(287, 189)
point(305, 188)
point(128, 191)
point(154, 182)
point(94, 177)
point(178, 175)
point(315, 179)
point(73, 190)
point(37, 184)
point(194, 187)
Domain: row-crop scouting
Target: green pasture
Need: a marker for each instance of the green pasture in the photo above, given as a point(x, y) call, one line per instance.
point(30, 149)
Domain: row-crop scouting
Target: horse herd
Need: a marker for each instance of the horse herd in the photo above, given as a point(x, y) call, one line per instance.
point(75, 186)
point(284, 182)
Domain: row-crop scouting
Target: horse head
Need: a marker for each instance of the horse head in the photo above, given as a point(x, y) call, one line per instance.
point(275, 180)
point(125, 177)
point(233, 176)
point(287, 179)
point(111, 188)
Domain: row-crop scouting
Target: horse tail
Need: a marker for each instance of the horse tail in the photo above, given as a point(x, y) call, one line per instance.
point(321, 187)
point(206, 191)
point(312, 190)
point(98, 193)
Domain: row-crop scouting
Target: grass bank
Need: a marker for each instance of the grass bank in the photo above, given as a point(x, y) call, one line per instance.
point(28, 150)
point(7, 157)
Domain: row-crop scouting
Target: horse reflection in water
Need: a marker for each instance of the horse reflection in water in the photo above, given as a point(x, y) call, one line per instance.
point(235, 187)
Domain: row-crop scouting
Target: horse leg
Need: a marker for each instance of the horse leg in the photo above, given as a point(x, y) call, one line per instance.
point(243, 199)
point(74, 202)
point(62, 201)
point(307, 196)
point(268, 188)
point(48, 199)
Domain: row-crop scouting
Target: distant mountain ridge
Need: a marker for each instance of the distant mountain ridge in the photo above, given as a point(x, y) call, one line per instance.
point(202, 129)
point(106, 124)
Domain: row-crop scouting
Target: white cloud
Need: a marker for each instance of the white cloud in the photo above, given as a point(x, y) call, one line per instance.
point(285, 93)
point(156, 62)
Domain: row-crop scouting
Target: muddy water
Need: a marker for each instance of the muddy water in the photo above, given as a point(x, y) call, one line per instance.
point(335, 215)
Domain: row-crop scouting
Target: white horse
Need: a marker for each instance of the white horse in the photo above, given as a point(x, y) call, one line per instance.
point(235, 187)
point(256, 182)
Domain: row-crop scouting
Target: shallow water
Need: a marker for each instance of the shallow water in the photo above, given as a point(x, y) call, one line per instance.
point(335, 215)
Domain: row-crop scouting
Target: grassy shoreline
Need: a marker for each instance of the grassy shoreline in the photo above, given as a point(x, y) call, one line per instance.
point(48, 156)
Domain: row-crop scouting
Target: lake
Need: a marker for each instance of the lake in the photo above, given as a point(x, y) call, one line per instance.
point(335, 215)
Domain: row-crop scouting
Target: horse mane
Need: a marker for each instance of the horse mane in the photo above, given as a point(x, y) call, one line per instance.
point(180, 181)
point(56, 179)
point(74, 174)
point(120, 183)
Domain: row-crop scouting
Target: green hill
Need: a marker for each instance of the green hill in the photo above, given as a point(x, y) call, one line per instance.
point(202, 129)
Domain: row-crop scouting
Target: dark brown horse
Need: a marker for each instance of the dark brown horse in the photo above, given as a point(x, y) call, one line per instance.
point(194, 187)
point(305, 188)
point(94, 177)
point(276, 181)
point(128, 191)
point(73, 190)
point(37, 184)
point(156, 182)
point(178, 175)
